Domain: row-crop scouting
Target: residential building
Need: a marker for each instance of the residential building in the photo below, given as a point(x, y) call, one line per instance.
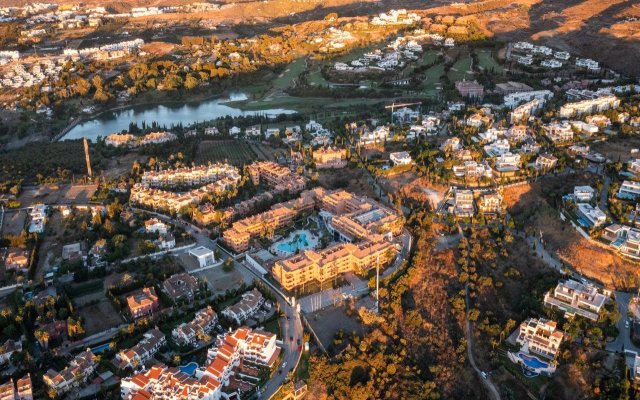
point(244, 309)
point(497, 148)
point(145, 302)
point(558, 132)
point(512, 100)
point(8, 348)
point(224, 174)
point(400, 158)
point(517, 133)
point(24, 388)
point(121, 140)
point(508, 162)
point(576, 298)
point(326, 264)
point(181, 287)
point(451, 144)
point(634, 166)
point(8, 391)
point(204, 255)
point(188, 333)
point(17, 260)
point(629, 190)
point(593, 216)
point(546, 161)
point(159, 381)
point(623, 238)
point(473, 170)
point(540, 336)
point(512, 87)
point(211, 131)
point(526, 110)
point(142, 352)
point(154, 225)
point(276, 176)
point(73, 375)
point(266, 223)
point(490, 203)
point(583, 193)
point(470, 89)
point(598, 104)
point(330, 157)
point(463, 203)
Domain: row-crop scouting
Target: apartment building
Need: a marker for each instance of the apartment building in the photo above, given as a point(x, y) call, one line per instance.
point(576, 298)
point(512, 87)
point(629, 190)
point(142, 352)
point(276, 176)
point(540, 336)
point(144, 302)
point(546, 161)
point(322, 265)
point(73, 375)
point(350, 217)
point(598, 104)
point(244, 309)
point(160, 381)
point(526, 110)
point(266, 223)
point(490, 203)
point(463, 203)
point(199, 175)
point(188, 333)
point(330, 157)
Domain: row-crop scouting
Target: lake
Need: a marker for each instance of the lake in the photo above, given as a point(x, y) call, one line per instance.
point(164, 115)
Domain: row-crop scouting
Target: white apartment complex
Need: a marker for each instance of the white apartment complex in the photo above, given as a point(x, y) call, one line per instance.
point(589, 106)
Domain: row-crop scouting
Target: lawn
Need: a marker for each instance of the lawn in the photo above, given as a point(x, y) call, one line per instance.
point(235, 152)
point(486, 60)
point(431, 82)
point(316, 79)
point(290, 74)
point(303, 104)
point(273, 326)
point(429, 57)
point(459, 70)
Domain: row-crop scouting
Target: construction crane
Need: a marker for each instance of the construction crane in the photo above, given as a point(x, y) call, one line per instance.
point(394, 106)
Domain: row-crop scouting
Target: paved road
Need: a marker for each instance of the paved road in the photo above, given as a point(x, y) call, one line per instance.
point(623, 341)
point(604, 194)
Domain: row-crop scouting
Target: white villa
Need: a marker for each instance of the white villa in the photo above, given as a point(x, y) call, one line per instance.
point(575, 298)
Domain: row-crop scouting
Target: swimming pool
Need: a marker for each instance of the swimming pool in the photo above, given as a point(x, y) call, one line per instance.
point(296, 241)
point(100, 349)
point(189, 369)
point(532, 362)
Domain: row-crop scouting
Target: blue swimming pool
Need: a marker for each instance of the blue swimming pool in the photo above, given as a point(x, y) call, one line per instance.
point(100, 349)
point(299, 242)
point(189, 369)
point(532, 362)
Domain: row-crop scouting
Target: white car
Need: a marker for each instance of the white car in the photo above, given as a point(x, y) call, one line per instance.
point(284, 364)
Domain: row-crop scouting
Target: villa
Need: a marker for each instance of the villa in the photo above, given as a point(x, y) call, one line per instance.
point(583, 193)
point(145, 302)
point(629, 190)
point(634, 166)
point(330, 157)
point(181, 287)
point(594, 216)
point(473, 170)
point(508, 162)
point(624, 238)
point(546, 161)
point(400, 158)
point(490, 203)
point(558, 132)
point(497, 148)
point(575, 298)
point(540, 336)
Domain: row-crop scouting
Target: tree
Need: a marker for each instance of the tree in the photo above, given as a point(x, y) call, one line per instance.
point(228, 265)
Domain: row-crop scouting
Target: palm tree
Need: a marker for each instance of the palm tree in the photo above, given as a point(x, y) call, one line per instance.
point(43, 337)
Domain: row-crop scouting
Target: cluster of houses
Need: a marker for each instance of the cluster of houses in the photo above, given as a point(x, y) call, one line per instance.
point(192, 332)
point(76, 373)
point(246, 308)
point(20, 389)
point(129, 140)
point(23, 75)
point(142, 352)
point(464, 201)
point(529, 52)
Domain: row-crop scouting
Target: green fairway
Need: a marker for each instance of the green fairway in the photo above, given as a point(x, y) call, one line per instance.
point(234, 152)
point(431, 82)
point(316, 79)
point(429, 57)
point(291, 73)
point(460, 69)
point(303, 104)
point(486, 60)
